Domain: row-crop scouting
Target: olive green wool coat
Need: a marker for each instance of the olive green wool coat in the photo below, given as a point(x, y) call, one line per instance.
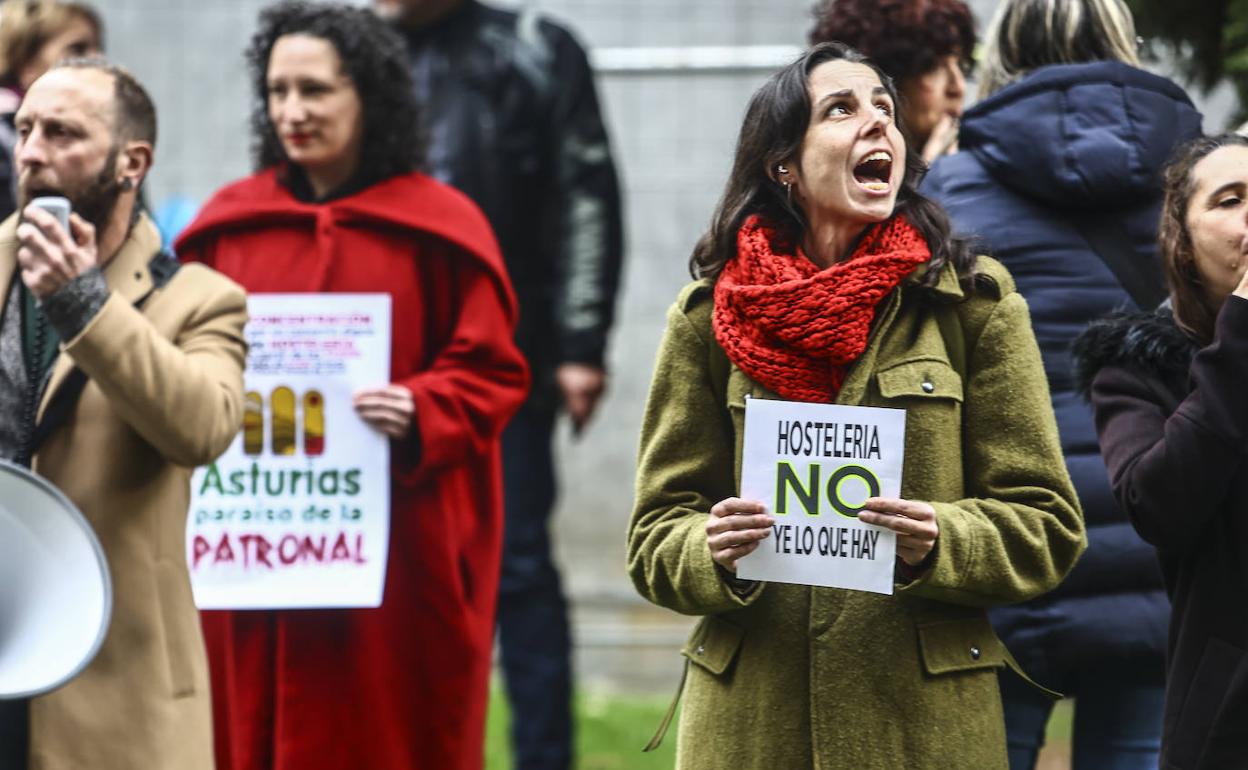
point(791, 676)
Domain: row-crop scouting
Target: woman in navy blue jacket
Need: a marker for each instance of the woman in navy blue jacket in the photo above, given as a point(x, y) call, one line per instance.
point(1065, 150)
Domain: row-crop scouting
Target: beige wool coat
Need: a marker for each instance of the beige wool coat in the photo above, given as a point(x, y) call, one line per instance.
point(165, 394)
point(796, 677)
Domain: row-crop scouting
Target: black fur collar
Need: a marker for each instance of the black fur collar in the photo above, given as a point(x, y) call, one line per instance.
point(1151, 341)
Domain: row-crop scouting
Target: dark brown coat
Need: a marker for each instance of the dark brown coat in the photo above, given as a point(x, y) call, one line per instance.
point(1174, 432)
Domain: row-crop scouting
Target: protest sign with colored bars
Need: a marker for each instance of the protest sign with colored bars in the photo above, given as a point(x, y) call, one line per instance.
point(297, 512)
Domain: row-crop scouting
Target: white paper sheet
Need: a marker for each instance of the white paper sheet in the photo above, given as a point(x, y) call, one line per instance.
point(296, 513)
point(813, 465)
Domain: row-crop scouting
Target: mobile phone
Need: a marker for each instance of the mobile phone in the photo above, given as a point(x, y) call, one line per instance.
point(55, 205)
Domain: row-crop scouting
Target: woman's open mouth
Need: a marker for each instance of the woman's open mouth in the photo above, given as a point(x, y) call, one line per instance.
point(875, 172)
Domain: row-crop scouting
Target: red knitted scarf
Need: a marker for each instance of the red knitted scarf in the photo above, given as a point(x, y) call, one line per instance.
point(795, 328)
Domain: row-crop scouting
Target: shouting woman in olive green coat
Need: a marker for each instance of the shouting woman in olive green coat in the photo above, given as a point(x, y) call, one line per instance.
point(827, 277)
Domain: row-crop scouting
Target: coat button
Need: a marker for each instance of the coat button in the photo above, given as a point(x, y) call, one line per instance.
point(975, 653)
point(701, 649)
point(927, 386)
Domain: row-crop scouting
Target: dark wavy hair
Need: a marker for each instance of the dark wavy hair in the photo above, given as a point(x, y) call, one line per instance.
point(772, 133)
point(373, 56)
point(906, 38)
point(1192, 310)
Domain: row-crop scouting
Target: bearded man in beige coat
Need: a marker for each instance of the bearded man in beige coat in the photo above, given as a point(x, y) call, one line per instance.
point(119, 373)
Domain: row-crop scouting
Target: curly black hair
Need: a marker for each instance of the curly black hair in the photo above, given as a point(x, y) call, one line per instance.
point(373, 56)
point(907, 38)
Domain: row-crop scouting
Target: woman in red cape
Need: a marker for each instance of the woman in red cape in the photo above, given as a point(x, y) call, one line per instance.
point(338, 208)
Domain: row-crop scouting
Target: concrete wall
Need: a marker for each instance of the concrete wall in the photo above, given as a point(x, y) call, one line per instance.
point(673, 133)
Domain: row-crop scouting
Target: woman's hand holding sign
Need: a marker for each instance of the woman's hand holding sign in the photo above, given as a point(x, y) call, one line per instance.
point(914, 523)
point(389, 409)
point(735, 529)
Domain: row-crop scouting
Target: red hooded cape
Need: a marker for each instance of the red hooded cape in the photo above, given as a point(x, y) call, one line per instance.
point(404, 685)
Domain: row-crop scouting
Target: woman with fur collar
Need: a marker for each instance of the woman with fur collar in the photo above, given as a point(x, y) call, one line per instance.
point(1168, 391)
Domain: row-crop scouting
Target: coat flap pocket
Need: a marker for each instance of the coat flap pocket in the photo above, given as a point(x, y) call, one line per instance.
point(922, 378)
point(963, 644)
point(713, 644)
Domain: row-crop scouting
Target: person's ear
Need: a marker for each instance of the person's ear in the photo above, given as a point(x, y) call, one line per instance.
point(133, 163)
point(781, 173)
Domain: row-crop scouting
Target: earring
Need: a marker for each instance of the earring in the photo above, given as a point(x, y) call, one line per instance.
point(127, 184)
point(788, 183)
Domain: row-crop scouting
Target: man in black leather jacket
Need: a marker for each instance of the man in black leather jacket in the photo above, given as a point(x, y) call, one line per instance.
point(513, 121)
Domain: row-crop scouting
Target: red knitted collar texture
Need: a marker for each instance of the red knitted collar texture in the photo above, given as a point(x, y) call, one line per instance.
point(793, 327)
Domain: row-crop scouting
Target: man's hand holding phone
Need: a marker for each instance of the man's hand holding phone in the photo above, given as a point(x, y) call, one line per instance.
point(51, 255)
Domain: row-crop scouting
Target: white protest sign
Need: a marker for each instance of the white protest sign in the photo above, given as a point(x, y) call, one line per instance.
point(813, 466)
point(296, 513)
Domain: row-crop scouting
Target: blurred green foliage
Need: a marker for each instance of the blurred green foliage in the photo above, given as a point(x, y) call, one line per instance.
point(1208, 39)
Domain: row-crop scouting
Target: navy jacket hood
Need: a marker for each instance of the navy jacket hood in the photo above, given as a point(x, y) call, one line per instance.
point(1080, 136)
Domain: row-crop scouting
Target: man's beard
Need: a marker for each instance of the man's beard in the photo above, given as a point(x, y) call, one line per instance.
point(94, 199)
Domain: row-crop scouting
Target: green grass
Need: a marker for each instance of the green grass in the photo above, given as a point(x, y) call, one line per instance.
point(610, 731)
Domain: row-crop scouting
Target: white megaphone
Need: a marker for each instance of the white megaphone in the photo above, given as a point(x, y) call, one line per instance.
point(55, 593)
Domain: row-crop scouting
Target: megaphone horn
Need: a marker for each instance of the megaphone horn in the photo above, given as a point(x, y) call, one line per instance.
point(55, 593)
